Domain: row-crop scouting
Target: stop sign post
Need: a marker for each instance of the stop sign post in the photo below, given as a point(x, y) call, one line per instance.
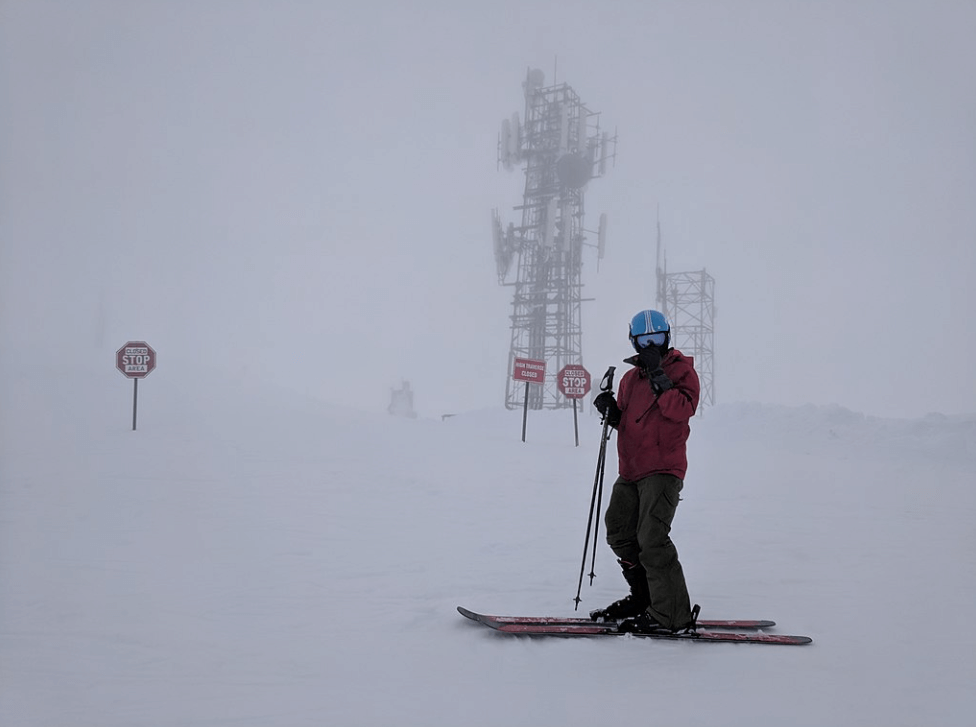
point(136, 360)
point(574, 383)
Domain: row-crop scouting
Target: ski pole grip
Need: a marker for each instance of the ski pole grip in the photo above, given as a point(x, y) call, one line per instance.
point(607, 383)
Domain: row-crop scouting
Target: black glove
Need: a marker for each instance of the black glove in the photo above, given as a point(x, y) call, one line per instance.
point(607, 406)
point(660, 381)
point(649, 359)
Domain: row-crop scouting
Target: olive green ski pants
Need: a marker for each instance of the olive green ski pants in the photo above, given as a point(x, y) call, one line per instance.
point(638, 521)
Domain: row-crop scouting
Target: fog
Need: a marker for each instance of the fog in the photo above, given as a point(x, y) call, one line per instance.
point(300, 192)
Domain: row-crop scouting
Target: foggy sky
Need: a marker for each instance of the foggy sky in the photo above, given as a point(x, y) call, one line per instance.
point(301, 193)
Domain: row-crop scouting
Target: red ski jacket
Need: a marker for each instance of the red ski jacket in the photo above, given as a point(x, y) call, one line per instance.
point(653, 429)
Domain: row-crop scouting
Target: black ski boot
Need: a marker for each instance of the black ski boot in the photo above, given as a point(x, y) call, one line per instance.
point(644, 623)
point(634, 603)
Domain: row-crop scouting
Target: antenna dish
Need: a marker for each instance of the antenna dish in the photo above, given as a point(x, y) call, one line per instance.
point(503, 245)
point(574, 170)
point(504, 144)
point(515, 139)
point(509, 142)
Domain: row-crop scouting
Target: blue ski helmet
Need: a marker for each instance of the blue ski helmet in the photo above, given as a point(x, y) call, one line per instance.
point(647, 328)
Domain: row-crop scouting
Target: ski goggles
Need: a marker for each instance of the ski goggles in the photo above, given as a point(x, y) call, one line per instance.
point(651, 339)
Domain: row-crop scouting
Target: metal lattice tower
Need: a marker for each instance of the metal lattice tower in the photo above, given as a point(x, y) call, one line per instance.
point(688, 302)
point(561, 148)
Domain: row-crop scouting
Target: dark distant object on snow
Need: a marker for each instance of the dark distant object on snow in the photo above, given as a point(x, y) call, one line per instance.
point(401, 401)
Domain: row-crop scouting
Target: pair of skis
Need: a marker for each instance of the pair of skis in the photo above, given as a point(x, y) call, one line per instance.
point(735, 631)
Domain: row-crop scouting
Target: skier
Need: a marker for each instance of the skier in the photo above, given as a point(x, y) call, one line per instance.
point(651, 412)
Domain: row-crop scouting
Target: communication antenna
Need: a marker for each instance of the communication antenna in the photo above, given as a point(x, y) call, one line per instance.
point(688, 302)
point(561, 148)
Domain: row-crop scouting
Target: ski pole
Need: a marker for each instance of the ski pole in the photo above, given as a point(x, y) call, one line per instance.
point(605, 385)
point(599, 502)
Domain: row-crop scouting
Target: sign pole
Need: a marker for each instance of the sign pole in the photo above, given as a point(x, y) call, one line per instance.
point(530, 371)
point(575, 423)
point(135, 400)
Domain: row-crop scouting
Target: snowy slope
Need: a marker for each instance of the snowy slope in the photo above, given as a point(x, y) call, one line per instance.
point(251, 558)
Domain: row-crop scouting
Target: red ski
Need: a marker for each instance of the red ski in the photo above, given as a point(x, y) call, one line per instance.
point(711, 625)
point(533, 626)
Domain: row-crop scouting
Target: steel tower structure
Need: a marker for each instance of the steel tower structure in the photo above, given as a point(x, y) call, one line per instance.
point(561, 148)
point(688, 302)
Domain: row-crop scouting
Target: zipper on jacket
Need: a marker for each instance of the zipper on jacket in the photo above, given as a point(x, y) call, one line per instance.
point(646, 412)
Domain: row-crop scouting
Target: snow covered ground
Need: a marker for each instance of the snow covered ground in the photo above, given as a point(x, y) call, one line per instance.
point(252, 558)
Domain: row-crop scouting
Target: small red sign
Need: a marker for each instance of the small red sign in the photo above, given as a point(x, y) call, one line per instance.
point(527, 369)
point(136, 359)
point(573, 382)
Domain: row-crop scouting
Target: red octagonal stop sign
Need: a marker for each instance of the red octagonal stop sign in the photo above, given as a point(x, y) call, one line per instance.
point(573, 381)
point(136, 359)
